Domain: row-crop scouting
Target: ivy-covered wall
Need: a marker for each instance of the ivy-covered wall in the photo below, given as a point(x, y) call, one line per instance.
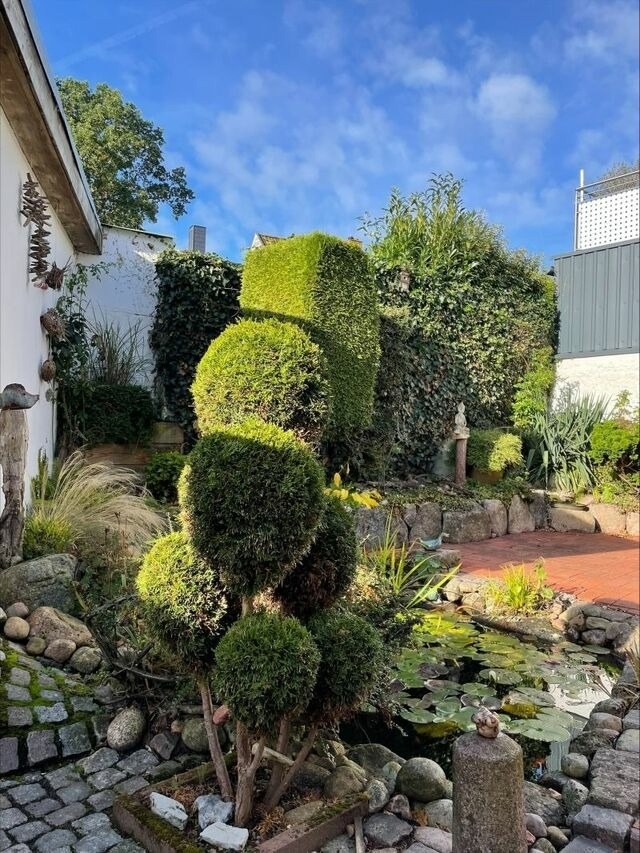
point(197, 299)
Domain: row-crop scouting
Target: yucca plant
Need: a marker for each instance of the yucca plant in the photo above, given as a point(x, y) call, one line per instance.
point(97, 502)
point(561, 441)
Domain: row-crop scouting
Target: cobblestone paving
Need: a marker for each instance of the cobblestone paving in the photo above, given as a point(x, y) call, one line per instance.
point(58, 781)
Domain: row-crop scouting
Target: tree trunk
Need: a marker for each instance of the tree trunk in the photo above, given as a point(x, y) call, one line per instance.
point(277, 769)
point(14, 436)
point(222, 774)
point(247, 769)
point(272, 801)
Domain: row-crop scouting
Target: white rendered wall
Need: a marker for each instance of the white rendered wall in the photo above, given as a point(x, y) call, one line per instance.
point(23, 344)
point(609, 219)
point(602, 375)
point(125, 291)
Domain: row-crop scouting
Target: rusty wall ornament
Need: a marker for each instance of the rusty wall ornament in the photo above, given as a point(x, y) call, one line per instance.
point(55, 277)
point(53, 324)
point(48, 370)
point(34, 210)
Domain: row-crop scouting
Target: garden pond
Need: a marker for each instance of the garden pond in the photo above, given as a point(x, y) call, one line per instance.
point(542, 694)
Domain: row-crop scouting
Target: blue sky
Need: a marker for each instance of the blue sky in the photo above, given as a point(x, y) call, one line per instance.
point(297, 115)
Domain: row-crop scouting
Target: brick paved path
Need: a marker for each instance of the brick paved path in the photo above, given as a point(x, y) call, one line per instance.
point(592, 566)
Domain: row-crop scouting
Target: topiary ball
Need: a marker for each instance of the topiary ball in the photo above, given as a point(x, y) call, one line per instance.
point(183, 600)
point(251, 496)
point(327, 570)
point(266, 668)
point(267, 369)
point(350, 657)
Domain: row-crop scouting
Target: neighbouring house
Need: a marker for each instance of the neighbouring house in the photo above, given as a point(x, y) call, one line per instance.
point(598, 286)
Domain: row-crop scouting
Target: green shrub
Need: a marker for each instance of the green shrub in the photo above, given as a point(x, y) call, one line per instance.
point(350, 658)
point(197, 299)
point(325, 285)
point(44, 535)
point(104, 414)
point(252, 496)
point(183, 600)
point(161, 475)
point(494, 450)
point(268, 369)
point(533, 391)
point(266, 668)
point(615, 442)
point(520, 591)
point(327, 570)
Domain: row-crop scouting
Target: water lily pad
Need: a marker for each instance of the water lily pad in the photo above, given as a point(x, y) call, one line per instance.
point(501, 676)
point(595, 650)
point(582, 657)
point(447, 706)
point(438, 729)
point(474, 688)
point(538, 697)
point(470, 701)
point(539, 730)
point(524, 710)
point(419, 716)
point(443, 684)
point(557, 716)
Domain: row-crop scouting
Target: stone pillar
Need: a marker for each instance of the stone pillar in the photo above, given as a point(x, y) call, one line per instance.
point(488, 795)
point(461, 461)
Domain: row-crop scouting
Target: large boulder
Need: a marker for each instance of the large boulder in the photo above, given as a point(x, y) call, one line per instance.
point(498, 516)
point(427, 523)
point(521, 518)
point(546, 803)
point(371, 527)
point(423, 780)
point(373, 757)
point(469, 525)
point(566, 519)
point(127, 729)
point(44, 581)
point(52, 624)
point(539, 509)
point(633, 524)
point(610, 518)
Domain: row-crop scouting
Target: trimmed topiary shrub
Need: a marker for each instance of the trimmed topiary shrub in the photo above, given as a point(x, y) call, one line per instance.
point(269, 369)
point(252, 496)
point(266, 668)
point(197, 299)
point(183, 600)
point(350, 657)
point(96, 413)
point(494, 450)
point(327, 570)
point(326, 285)
point(161, 475)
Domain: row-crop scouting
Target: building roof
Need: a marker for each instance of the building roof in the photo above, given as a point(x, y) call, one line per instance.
point(30, 100)
point(265, 239)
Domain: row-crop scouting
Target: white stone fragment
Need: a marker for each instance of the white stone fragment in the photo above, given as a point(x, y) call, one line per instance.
point(212, 809)
point(225, 837)
point(170, 810)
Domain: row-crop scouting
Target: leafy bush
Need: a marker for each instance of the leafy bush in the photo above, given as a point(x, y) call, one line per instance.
point(520, 591)
point(616, 443)
point(252, 496)
point(350, 661)
point(183, 600)
point(623, 491)
point(161, 475)
point(269, 369)
point(327, 570)
point(494, 450)
point(99, 414)
point(325, 285)
point(43, 535)
point(101, 504)
point(266, 668)
point(197, 299)
point(351, 495)
point(474, 315)
point(560, 443)
point(533, 391)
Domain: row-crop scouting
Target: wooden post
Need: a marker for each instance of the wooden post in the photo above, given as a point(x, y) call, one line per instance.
point(461, 461)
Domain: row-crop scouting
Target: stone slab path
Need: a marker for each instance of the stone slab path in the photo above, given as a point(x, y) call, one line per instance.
point(593, 566)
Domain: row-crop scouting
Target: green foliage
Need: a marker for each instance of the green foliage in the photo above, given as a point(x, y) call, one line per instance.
point(616, 443)
point(494, 450)
point(161, 475)
point(350, 660)
point(268, 369)
point(252, 496)
point(99, 414)
point(504, 490)
point(183, 600)
point(325, 285)
point(122, 155)
point(474, 314)
point(197, 299)
point(266, 668)
point(351, 495)
point(560, 442)
point(116, 354)
point(43, 535)
point(611, 488)
point(520, 592)
point(327, 570)
point(533, 391)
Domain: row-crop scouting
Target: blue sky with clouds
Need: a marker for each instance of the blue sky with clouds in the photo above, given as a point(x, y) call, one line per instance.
point(291, 115)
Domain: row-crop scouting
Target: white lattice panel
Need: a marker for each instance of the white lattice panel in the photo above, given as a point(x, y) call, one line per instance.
point(609, 219)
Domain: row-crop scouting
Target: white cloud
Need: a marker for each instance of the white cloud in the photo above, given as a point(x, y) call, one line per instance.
point(319, 26)
point(603, 30)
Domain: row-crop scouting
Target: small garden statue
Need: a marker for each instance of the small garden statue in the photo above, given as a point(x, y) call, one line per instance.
point(14, 439)
point(461, 435)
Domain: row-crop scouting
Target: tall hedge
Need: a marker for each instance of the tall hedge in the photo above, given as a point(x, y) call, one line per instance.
point(197, 299)
point(327, 286)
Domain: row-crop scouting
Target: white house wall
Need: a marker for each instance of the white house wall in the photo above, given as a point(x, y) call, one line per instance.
point(124, 290)
point(602, 375)
point(23, 344)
